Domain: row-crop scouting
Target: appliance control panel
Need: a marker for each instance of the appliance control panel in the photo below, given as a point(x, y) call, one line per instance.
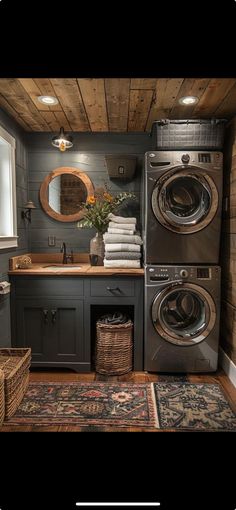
point(161, 159)
point(180, 273)
point(158, 274)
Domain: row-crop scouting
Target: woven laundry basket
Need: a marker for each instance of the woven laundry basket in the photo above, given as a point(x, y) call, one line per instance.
point(114, 348)
point(15, 364)
point(2, 398)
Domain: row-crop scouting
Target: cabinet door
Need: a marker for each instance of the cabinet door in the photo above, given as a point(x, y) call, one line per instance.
point(32, 324)
point(65, 342)
point(53, 328)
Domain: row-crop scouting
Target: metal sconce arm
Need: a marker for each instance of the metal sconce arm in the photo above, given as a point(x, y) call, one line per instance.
point(28, 208)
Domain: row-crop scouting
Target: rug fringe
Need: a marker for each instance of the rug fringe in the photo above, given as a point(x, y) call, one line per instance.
point(157, 424)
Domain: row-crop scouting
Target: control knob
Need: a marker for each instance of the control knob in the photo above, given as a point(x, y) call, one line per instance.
point(185, 158)
point(184, 273)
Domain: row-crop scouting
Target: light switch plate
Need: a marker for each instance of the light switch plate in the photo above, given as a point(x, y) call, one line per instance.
point(51, 240)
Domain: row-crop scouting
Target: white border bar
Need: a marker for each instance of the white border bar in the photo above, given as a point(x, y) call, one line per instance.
point(118, 504)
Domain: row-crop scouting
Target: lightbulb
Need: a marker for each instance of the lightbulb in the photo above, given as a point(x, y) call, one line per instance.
point(62, 141)
point(62, 146)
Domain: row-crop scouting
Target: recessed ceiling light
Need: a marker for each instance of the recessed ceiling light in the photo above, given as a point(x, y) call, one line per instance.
point(188, 100)
point(49, 100)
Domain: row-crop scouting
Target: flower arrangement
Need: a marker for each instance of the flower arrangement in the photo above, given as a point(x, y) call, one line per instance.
point(98, 206)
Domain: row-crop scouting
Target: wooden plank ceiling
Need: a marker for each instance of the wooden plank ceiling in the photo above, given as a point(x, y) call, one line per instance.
point(113, 104)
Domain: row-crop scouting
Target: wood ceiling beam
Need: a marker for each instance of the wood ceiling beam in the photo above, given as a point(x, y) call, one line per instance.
point(166, 92)
point(139, 107)
point(190, 87)
point(69, 95)
point(143, 83)
point(18, 98)
point(227, 107)
point(8, 108)
point(216, 90)
point(117, 99)
point(93, 96)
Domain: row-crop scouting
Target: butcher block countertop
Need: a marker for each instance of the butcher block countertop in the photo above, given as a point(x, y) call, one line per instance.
point(105, 271)
point(47, 264)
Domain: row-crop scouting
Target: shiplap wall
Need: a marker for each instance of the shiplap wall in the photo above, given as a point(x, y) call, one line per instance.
point(88, 154)
point(22, 226)
point(228, 245)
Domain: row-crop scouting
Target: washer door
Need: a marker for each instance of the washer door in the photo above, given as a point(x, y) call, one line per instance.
point(183, 314)
point(185, 201)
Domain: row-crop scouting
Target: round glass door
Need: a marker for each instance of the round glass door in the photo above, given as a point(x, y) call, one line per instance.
point(185, 202)
point(184, 314)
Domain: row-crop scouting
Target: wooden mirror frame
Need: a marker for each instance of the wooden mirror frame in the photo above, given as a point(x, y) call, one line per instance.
point(43, 193)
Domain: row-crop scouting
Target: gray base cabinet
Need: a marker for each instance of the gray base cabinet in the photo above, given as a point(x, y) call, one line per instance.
point(53, 328)
point(53, 316)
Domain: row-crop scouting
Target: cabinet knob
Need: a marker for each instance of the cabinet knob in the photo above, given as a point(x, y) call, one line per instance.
point(54, 315)
point(45, 316)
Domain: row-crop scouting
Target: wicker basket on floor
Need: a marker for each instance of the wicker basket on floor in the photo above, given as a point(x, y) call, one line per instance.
point(114, 348)
point(15, 364)
point(2, 398)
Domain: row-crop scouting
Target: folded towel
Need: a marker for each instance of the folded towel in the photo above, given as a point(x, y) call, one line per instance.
point(122, 263)
point(119, 255)
point(125, 226)
point(114, 318)
point(120, 231)
point(122, 247)
point(119, 238)
point(121, 219)
point(5, 287)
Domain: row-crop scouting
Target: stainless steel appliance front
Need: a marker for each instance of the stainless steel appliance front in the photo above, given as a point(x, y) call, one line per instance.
point(182, 207)
point(182, 318)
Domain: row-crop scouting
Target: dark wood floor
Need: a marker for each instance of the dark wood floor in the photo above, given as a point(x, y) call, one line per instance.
point(62, 376)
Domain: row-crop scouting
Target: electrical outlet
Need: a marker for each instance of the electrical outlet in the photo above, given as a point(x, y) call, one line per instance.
point(51, 240)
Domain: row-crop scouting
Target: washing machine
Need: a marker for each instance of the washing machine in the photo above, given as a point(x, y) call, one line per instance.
point(183, 195)
point(182, 306)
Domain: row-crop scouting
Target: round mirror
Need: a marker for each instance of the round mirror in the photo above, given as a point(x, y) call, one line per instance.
point(63, 192)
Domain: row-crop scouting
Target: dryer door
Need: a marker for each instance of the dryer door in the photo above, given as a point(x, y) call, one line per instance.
point(183, 314)
point(185, 201)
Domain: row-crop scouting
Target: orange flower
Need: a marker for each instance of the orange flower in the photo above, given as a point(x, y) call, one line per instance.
point(108, 197)
point(91, 200)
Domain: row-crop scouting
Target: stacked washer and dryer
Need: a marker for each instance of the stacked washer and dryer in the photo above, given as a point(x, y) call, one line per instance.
point(183, 194)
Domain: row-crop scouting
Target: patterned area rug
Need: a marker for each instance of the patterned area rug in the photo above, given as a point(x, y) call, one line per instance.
point(187, 406)
point(98, 404)
point(171, 403)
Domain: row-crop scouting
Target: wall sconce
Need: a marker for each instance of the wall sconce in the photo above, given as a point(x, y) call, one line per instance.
point(27, 213)
point(62, 141)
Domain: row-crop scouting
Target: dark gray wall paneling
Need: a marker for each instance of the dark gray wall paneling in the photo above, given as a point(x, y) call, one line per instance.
point(22, 194)
point(5, 323)
point(88, 154)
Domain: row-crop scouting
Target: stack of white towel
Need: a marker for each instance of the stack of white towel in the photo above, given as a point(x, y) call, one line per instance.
point(122, 243)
